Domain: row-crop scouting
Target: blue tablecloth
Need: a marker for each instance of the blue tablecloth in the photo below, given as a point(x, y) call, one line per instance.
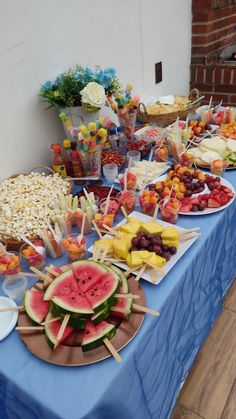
point(155, 363)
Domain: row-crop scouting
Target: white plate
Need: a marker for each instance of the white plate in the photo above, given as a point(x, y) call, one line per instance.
point(183, 247)
point(8, 319)
point(207, 211)
point(155, 179)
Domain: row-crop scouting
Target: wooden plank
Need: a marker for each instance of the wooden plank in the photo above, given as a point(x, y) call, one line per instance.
point(181, 412)
point(230, 407)
point(230, 298)
point(208, 387)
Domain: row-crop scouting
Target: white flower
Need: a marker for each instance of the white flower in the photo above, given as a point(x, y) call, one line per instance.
point(93, 94)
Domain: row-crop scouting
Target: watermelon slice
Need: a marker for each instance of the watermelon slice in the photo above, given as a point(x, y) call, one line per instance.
point(87, 273)
point(101, 315)
point(122, 303)
point(93, 336)
point(52, 329)
point(64, 284)
point(101, 294)
point(35, 306)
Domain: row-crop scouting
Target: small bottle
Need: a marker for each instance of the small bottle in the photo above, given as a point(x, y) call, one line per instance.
point(113, 138)
point(76, 164)
point(123, 142)
point(58, 160)
point(67, 152)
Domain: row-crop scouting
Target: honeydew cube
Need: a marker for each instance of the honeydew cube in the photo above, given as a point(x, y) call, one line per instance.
point(152, 228)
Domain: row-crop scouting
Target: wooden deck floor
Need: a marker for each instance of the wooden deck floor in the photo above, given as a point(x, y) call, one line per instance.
point(210, 389)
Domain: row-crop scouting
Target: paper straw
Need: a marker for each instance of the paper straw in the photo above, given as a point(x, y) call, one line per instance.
point(210, 102)
point(125, 179)
point(151, 154)
point(82, 229)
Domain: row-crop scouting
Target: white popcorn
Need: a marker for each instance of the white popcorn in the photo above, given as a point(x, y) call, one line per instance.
point(26, 201)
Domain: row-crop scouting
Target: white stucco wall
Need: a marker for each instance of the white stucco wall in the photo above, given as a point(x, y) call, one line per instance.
point(40, 38)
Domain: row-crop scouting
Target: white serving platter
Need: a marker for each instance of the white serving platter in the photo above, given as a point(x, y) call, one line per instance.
point(161, 273)
point(155, 178)
point(208, 211)
point(8, 319)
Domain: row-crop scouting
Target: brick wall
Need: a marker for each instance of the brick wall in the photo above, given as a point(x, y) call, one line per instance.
point(213, 28)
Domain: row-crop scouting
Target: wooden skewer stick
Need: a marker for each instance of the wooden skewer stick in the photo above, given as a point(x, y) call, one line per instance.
point(124, 212)
point(97, 251)
point(130, 270)
point(97, 229)
point(50, 321)
point(104, 254)
point(51, 271)
point(140, 273)
point(111, 230)
point(110, 259)
point(156, 212)
point(154, 266)
point(146, 310)
point(4, 309)
point(28, 274)
point(28, 328)
point(120, 310)
point(133, 296)
point(63, 326)
point(189, 230)
point(154, 275)
point(190, 236)
point(106, 232)
point(113, 351)
point(39, 273)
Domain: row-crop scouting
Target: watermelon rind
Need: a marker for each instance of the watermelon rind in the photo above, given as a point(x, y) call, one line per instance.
point(29, 309)
point(108, 332)
point(101, 315)
point(75, 320)
point(107, 302)
point(127, 303)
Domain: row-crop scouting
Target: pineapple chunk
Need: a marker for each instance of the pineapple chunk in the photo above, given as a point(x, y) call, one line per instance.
point(120, 248)
point(170, 233)
point(104, 243)
point(170, 243)
point(130, 228)
point(128, 237)
point(156, 260)
point(152, 228)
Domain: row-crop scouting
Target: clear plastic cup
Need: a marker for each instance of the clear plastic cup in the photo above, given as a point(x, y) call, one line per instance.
point(127, 199)
point(133, 155)
point(110, 171)
point(35, 259)
point(74, 248)
point(14, 287)
point(186, 159)
point(78, 217)
point(10, 264)
point(169, 210)
point(113, 207)
point(161, 153)
point(148, 202)
point(218, 166)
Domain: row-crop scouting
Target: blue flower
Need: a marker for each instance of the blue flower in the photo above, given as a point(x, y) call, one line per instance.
point(47, 85)
point(79, 75)
point(104, 78)
point(58, 80)
point(111, 71)
point(89, 74)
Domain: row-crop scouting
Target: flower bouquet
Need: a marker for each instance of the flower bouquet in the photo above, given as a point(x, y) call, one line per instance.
point(125, 107)
point(80, 92)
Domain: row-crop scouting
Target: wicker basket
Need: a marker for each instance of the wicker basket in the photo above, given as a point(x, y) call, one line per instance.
point(13, 244)
point(165, 119)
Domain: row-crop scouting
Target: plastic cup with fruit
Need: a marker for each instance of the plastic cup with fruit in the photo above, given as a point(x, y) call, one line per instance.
point(186, 159)
point(32, 256)
point(169, 210)
point(9, 263)
point(161, 154)
point(78, 217)
point(128, 181)
point(148, 201)
point(75, 246)
point(101, 219)
point(218, 166)
point(14, 287)
point(113, 207)
point(127, 199)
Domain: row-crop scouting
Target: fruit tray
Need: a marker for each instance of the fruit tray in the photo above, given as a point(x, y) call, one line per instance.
point(69, 352)
point(161, 273)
